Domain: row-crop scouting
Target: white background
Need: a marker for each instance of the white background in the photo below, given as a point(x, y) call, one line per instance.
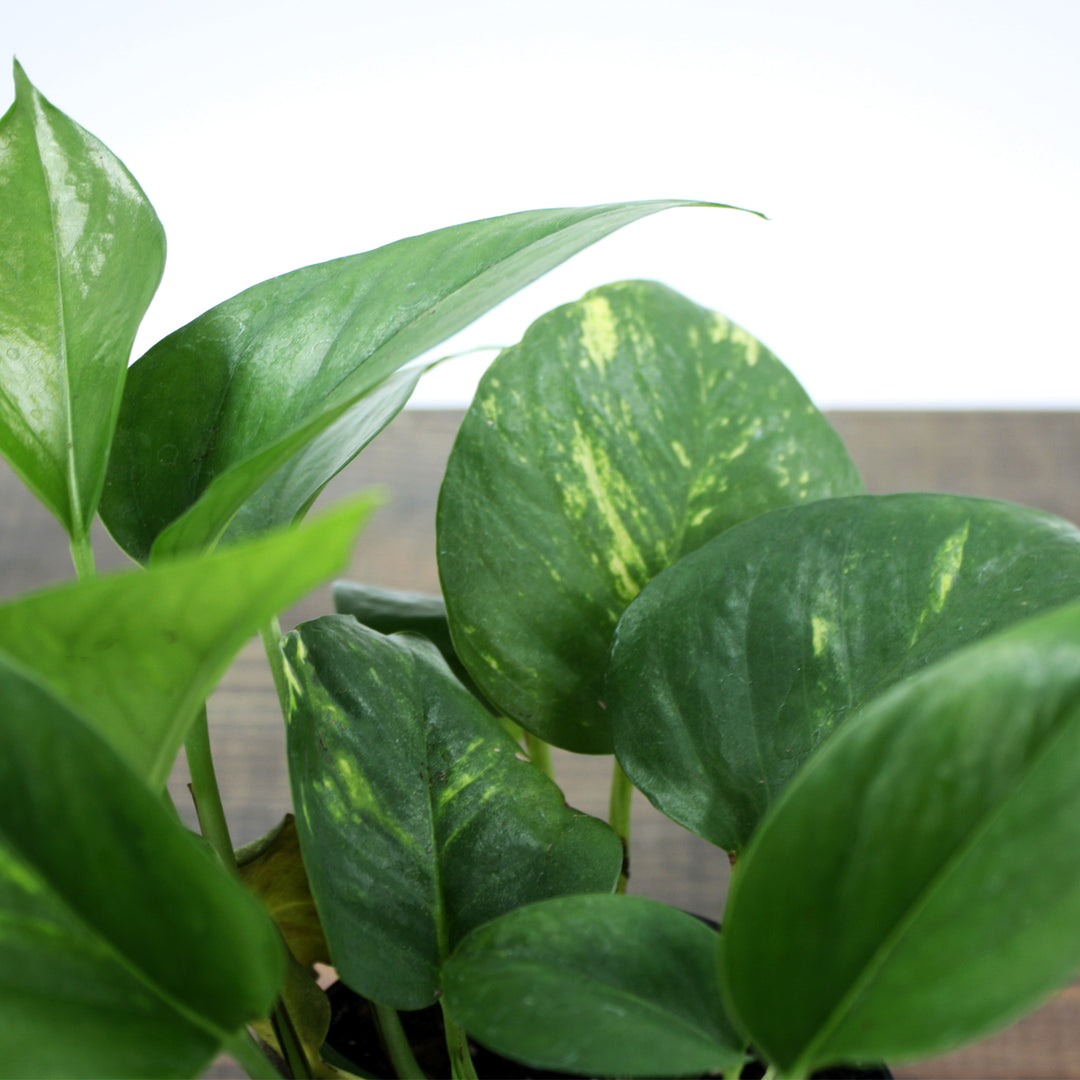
point(919, 161)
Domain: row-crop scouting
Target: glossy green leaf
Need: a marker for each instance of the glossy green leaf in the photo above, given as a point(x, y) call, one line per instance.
point(245, 413)
point(624, 431)
point(417, 819)
point(138, 652)
point(328, 442)
point(82, 253)
point(125, 949)
point(391, 611)
point(596, 985)
point(918, 884)
point(731, 668)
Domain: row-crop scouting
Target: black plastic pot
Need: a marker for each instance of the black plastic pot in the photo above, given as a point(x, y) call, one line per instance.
point(354, 1036)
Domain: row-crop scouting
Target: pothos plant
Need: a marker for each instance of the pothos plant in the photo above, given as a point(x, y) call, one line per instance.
point(651, 545)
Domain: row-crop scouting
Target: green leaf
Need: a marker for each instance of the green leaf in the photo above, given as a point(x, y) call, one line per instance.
point(731, 668)
point(417, 819)
point(245, 413)
point(82, 254)
point(391, 611)
point(624, 431)
point(917, 886)
point(596, 985)
point(222, 509)
point(138, 652)
point(125, 949)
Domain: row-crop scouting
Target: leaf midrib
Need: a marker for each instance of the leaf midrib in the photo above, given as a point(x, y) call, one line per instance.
point(78, 527)
point(97, 936)
point(881, 955)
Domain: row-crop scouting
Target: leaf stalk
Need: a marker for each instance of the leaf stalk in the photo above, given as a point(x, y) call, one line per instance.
point(396, 1043)
point(539, 754)
point(457, 1042)
point(271, 635)
point(206, 793)
point(215, 829)
point(82, 557)
point(622, 792)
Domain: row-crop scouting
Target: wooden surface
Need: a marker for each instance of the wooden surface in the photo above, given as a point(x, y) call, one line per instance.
point(1026, 457)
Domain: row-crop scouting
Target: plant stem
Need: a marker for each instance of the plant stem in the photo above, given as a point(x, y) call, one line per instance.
point(539, 754)
point(396, 1044)
point(512, 728)
point(205, 791)
point(457, 1042)
point(622, 792)
point(250, 1058)
point(82, 556)
point(215, 829)
point(271, 635)
point(292, 1049)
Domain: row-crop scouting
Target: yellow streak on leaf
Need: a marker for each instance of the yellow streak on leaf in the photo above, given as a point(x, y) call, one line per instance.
point(599, 332)
point(360, 800)
point(821, 630)
point(737, 451)
point(296, 690)
point(462, 776)
point(624, 557)
point(946, 565)
point(750, 344)
point(719, 328)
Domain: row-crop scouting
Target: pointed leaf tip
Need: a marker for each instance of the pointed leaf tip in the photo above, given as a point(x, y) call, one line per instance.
point(83, 253)
point(237, 419)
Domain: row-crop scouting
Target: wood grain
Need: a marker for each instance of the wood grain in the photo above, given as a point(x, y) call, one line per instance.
point(1025, 457)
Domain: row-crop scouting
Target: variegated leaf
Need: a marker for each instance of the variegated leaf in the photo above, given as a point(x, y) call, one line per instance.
point(417, 819)
point(623, 432)
point(731, 668)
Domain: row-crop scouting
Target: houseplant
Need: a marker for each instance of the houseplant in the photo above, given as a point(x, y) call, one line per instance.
point(650, 542)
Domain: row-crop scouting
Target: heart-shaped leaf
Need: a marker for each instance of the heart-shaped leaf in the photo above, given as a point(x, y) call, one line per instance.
point(417, 819)
point(917, 885)
point(733, 666)
point(245, 413)
point(596, 985)
point(624, 431)
point(137, 652)
point(83, 252)
point(125, 949)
